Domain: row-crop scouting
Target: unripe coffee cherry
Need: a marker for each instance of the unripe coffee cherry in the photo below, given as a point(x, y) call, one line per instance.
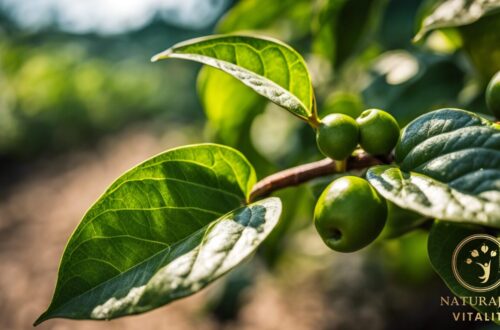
point(378, 131)
point(337, 136)
point(349, 214)
point(493, 95)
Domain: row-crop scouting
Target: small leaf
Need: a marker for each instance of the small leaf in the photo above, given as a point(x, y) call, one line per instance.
point(452, 13)
point(163, 211)
point(432, 198)
point(269, 67)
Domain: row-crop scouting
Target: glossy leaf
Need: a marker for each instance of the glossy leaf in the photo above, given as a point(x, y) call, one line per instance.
point(453, 13)
point(269, 67)
point(449, 168)
point(456, 147)
point(444, 237)
point(150, 217)
point(180, 269)
point(434, 199)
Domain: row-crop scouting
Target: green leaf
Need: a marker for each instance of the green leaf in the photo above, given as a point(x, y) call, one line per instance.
point(230, 108)
point(345, 27)
point(444, 237)
point(274, 17)
point(455, 147)
point(436, 81)
point(450, 168)
point(480, 42)
point(180, 269)
point(229, 105)
point(400, 221)
point(432, 198)
point(453, 13)
point(269, 67)
point(136, 248)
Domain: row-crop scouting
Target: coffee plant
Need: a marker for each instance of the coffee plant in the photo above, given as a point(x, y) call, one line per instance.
point(172, 225)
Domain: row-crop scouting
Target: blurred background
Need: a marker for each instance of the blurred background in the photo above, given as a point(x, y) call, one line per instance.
point(80, 103)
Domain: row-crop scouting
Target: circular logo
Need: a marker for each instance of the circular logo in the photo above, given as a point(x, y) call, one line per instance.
point(476, 263)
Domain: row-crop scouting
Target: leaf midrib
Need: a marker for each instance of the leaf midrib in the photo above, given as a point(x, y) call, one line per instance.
point(167, 248)
point(269, 81)
point(453, 132)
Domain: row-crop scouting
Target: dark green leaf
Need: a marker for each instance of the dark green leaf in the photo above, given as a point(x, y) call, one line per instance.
point(269, 67)
point(456, 147)
point(452, 13)
point(145, 230)
point(346, 27)
point(480, 42)
point(436, 81)
point(434, 199)
point(450, 168)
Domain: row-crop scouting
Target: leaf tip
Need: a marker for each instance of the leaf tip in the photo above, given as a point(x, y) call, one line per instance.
point(161, 56)
point(40, 319)
point(418, 36)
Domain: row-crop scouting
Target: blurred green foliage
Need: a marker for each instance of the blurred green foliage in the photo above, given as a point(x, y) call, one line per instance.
point(59, 90)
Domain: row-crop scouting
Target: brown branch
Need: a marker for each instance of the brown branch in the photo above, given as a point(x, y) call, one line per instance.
point(303, 173)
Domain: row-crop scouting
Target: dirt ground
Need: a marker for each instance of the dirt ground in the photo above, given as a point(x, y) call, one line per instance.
point(40, 211)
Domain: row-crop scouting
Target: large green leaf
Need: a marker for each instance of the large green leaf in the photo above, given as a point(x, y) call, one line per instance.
point(449, 168)
point(453, 13)
point(177, 270)
point(160, 232)
point(444, 237)
point(269, 67)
